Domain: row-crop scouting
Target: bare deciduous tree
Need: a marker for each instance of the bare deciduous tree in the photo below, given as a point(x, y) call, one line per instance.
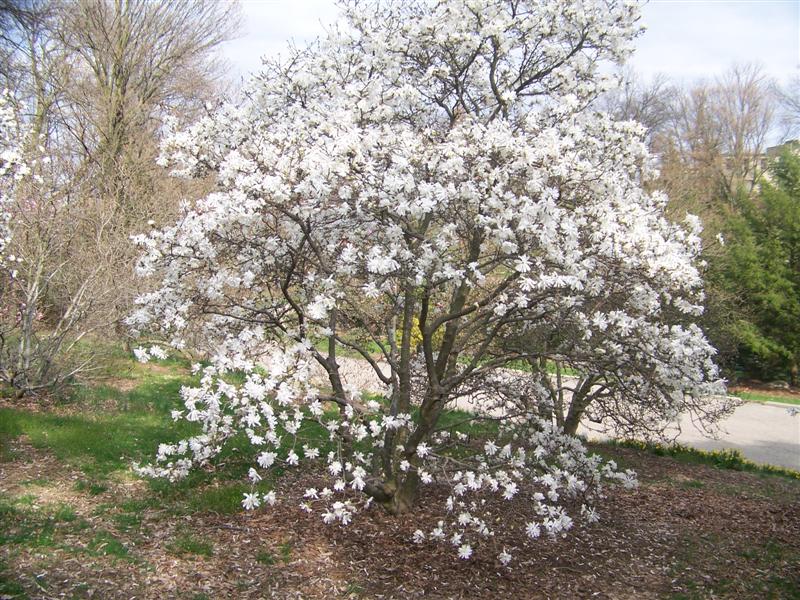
point(650, 103)
point(714, 142)
point(92, 80)
point(139, 60)
point(789, 105)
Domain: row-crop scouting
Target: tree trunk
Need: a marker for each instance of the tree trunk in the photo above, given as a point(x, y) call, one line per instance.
point(396, 499)
point(405, 497)
point(572, 421)
point(581, 399)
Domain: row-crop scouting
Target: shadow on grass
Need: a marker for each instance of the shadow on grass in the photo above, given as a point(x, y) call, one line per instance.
point(97, 444)
point(108, 428)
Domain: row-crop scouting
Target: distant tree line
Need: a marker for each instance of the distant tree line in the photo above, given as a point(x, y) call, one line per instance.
point(712, 141)
point(90, 82)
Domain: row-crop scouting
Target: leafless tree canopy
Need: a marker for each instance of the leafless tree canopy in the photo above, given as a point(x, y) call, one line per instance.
point(92, 80)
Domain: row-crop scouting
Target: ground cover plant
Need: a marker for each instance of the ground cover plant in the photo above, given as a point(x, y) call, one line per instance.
point(76, 522)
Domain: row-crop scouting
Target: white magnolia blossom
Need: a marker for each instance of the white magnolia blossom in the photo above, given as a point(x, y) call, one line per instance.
point(431, 181)
point(13, 168)
point(251, 501)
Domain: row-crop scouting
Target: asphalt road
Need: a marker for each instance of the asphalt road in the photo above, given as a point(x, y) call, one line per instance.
point(764, 433)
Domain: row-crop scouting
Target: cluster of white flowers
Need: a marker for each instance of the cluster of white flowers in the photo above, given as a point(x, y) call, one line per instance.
point(427, 168)
point(12, 169)
point(540, 468)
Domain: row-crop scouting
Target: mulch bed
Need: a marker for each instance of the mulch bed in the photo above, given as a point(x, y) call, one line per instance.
point(687, 531)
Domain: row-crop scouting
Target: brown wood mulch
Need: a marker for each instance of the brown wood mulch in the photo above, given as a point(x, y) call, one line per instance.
point(687, 531)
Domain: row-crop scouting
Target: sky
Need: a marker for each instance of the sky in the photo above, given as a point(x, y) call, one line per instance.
point(685, 39)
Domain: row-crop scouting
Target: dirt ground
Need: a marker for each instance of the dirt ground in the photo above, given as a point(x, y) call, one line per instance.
point(688, 531)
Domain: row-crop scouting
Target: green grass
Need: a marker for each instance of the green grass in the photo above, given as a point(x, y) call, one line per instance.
point(127, 522)
point(21, 524)
point(341, 350)
point(190, 544)
point(465, 422)
point(269, 558)
point(286, 552)
point(265, 557)
point(764, 557)
point(138, 505)
point(219, 488)
point(354, 589)
point(50, 526)
point(772, 585)
point(113, 428)
point(103, 430)
point(373, 349)
point(90, 487)
point(104, 543)
point(693, 484)
point(65, 513)
point(225, 499)
point(97, 444)
point(8, 587)
point(761, 397)
point(154, 392)
point(27, 500)
point(113, 360)
point(37, 527)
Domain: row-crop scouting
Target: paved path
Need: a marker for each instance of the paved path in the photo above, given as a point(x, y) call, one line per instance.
point(764, 433)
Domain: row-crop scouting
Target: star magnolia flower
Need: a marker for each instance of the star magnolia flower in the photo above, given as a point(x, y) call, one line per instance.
point(533, 530)
point(523, 264)
point(251, 501)
point(490, 448)
point(504, 557)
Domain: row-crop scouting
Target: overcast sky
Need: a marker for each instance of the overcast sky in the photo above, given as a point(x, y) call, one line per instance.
point(685, 39)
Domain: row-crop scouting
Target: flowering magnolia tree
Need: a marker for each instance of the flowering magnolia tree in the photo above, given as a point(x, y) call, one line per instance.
point(429, 189)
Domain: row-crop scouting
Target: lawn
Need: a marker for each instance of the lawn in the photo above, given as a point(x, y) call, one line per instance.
point(76, 522)
point(767, 397)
